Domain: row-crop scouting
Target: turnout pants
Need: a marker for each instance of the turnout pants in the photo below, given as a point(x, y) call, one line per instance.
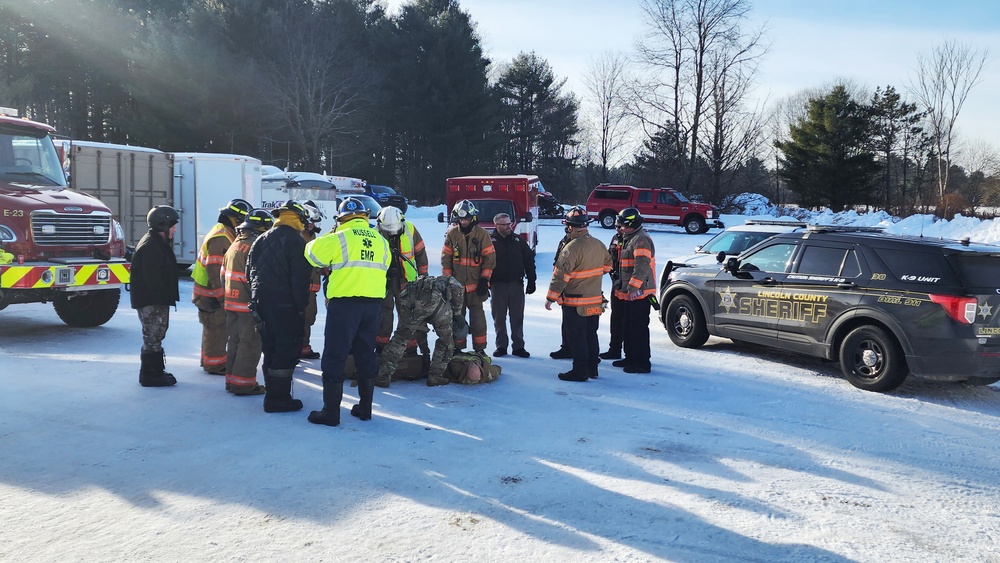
point(617, 324)
point(581, 333)
point(477, 322)
point(636, 321)
point(242, 351)
point(213, 339)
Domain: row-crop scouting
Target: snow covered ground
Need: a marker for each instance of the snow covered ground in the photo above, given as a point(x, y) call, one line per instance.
point(723, 453)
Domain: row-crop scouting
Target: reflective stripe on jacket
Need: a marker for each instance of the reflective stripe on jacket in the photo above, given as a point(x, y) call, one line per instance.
point(468, 257)
point(358, 258)
point(578, 273)
point(234, 267)
point(206, 272)
point(636, 267)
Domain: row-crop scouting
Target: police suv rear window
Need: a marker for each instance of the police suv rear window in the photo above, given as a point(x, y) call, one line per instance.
point(978, 270)
point(929, 267)
point(826, 261)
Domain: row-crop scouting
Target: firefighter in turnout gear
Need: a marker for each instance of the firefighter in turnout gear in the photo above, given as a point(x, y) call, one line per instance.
point(358, 258)
point(409, 260)
point(309, 234)
point(576, 285)
point(437, 301)
point(635, 287)
point(617, 315)
point(468, 256)
point(279, 283)
point(154, 290)
point(209, 294)
point(243, 348)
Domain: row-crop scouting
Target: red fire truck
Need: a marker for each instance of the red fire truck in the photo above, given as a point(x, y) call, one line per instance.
point(515, 195)
point(56, 245)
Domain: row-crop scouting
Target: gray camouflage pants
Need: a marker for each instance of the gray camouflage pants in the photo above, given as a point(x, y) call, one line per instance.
point(155, 320)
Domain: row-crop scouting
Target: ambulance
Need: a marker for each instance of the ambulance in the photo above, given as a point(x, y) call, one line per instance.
point(515, 195)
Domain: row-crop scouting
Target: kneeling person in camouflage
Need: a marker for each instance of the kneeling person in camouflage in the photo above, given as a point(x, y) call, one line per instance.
point(426, 300)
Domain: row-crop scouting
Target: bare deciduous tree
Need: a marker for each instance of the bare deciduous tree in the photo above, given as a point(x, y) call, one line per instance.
point(943, 82)
point(605, 80)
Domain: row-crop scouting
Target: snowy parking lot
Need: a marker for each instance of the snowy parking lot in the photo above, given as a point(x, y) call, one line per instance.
point(724, 453)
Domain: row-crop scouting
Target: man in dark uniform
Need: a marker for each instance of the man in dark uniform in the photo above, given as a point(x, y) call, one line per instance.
point(515, 261)
point(153, 290)
point(279, 285)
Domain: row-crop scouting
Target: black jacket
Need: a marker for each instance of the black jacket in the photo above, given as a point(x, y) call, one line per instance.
point(515, 259)
point(277, 269)
point(153, 272)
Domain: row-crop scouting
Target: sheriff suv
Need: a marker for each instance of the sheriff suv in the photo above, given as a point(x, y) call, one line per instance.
point(884, 306)
point(657, 205)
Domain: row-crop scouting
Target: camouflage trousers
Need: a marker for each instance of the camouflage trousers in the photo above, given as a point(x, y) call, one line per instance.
point(242, 350)
point(391, 310)
point(213, 339)
point(416, 324)
point(155, 320)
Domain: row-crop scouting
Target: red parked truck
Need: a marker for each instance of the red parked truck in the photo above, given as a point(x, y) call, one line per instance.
point(56, 245)
point(515, 195)
point(657, 205)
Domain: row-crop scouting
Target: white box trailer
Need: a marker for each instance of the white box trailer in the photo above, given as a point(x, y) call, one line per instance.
point(131, 180)
point(203, 184)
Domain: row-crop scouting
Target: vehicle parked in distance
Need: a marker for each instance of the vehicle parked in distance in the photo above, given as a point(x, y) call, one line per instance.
point(657, 205)
point(385, 195)
point(884, 306)
point(515, 195)
point(731, 242)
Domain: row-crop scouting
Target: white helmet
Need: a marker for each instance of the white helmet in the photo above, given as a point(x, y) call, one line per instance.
point(315, 214)
point(390, 220)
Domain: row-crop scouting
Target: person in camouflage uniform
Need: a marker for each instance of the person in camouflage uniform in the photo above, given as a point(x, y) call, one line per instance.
point(434, 300)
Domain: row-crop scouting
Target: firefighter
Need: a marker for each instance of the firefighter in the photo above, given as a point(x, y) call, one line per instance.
point(279, 283)
point(153, 290)
point(208, 294)
point(576, 285)
point(309, 234)
point(358, 258)
point(636, 287)
point(468, 256)
point(409, 260)
point(437, 301)
point(563, 353)
point(243, 348)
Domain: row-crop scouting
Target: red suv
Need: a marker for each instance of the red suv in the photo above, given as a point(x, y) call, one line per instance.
point(657, 205)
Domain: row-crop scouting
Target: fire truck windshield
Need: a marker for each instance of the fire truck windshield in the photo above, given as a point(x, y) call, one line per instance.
point(28, 158)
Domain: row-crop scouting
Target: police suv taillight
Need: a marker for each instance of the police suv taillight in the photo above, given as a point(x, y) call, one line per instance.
point(962, 309)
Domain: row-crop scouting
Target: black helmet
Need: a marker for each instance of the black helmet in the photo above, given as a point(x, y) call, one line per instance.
point(351, 208)
point(257, 220)
point(237, 209)
point(464, 209)
point(576, 217)
point(161, 218)
point(629, 218)
point(293, 206)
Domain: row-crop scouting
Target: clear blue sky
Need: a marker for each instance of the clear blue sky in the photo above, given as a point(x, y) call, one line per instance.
point(813, 42)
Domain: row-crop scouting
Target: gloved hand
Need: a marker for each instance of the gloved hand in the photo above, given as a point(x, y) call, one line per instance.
point(207, 304)
point(530, 288)
point(483, 288)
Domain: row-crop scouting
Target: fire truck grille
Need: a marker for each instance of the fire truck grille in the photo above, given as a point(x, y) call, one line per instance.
point(68, 229)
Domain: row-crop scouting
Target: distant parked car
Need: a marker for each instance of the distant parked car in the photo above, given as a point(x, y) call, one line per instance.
point(385, 195)
point(657, 205)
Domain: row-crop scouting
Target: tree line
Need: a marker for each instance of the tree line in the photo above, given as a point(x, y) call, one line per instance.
point(410, 98)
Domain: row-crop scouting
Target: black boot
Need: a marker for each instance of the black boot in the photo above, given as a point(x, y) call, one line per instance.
point(333, 394)
point(573, 376)
point(366, 392)
point(561, 354)
point(151, 372)
point(278, 391)
point(611, 354)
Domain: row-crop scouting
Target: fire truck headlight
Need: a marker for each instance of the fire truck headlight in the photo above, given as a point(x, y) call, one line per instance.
point(7, 234)
point(47, 276)
point(119, 232)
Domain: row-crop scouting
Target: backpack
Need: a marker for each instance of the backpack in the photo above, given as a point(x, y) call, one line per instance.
point(458, 368)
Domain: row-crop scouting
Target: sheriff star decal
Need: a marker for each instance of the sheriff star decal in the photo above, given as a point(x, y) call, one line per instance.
point(728, 299)
point(985, 310)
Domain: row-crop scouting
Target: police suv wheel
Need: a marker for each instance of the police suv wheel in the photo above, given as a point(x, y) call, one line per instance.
point(871, 359)
point(685, 322)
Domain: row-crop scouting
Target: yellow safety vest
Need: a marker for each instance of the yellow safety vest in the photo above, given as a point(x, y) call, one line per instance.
point(200, 272)
point(406, 249)
point(358, 259)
